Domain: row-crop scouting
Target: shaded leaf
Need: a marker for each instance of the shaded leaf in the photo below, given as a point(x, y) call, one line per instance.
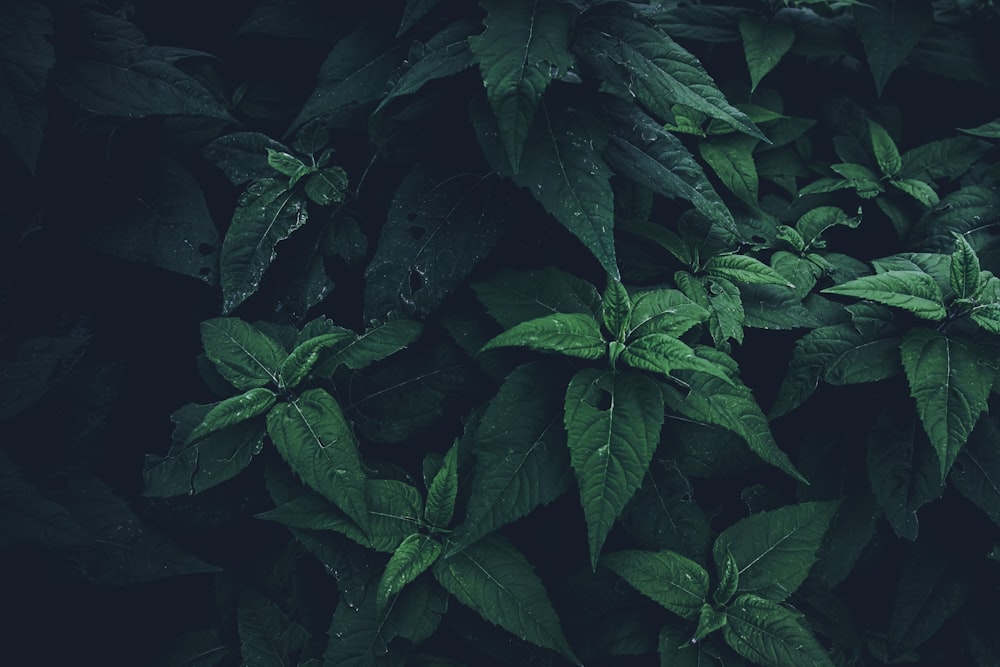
point(243, 156)
point(976, 473)
point(414, 556)
point(814, 222)
point(664, 515)
point(675, 582)
point(731, 158)
point(889, 30)
point(445, 54)
point(301, 360)
point(572, 334)
point(234, 410)
point(31, 518)
point(268, 637)
point(414, 11)
point(513, 296)
point(770, 634)
point(443, 491)
point(764, 44)
point(886, 153)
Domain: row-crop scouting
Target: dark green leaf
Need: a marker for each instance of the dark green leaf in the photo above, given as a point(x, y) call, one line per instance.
point(914, 291)
point(729, 578)
point(242, 156)
point(617, 309)
point(244, 355)
point(731, 158)
point(675, 582)
point(965, 278)
point(663, 354)
point(414, 556)
point(814, 222)
point(710, 619)
point(440, 225)
point(664, 311)
point(889, 30)
point(35, 366)
point(375, 344)
point(919, 190)
point(886, 153)
point(29, 518)
point(663, 514)
point(764, 44)
point(613, 423)
point(268, 213)
point(950, 387)
point(313, 437)
point(572, 334)
point(232, 411)
point(495, 580)
point(325, 186)
point(774, 550)
point(268, 637)
point(443, 491)
point(944, 159)
point(301, 360)
point(744, 269)
point(512, 297)
point(772, 635)
point(445, 54)
point(525, 45)
point(414, 11)
point(976, 473)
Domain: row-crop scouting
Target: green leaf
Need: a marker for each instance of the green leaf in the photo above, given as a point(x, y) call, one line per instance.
point(525, 45)
point(29, 518)
point(234, 410)
point(244, 355)
point(301, 361)
point(661, 72)
point(729, 578)
point(764, 44)
point(744, 269)
point(917, 189)
point(521, 460)
point(733, 407)
point(664, 311)
point(440, 225)
point(965, 276)
point(513, 296)
point(613, 424)
point(950, 387)
point(769, 634)
point(445, 54)
point(414, 11)
point(675, 582)
point(572, 334)
point(886, 153)
point(243, 156)
point(914, 291)
point(815, 221)
point(731, 158)
point(662, 353)
point(774, 550)
point(709, 620)
point(976, 473)
point(313, 437)
point(375, 344)
point(496, 581)
point(413, 557)
point(990, 130)
point(325, 186)
point(443, 491)
point(947, 158)
point(268, 636)
point(616, 309)
point(865, 182)
point(216, 458)
point(268, 213)
point(889, 30)
point(284, 163)
point(663, 514)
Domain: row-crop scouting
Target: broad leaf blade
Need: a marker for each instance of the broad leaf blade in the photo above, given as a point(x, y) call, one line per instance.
point(774, 550)
point(512, 296)
point(664, 311)
point(663, 354)
point(313, 437)
point(495, 580)
point(617, 309)
point(301, 360)
point(373, 345)
point(443, 491)
point(914, 291)
point(445, 54)
point(411, 559)
point(976, 473)
point(268, 637)
point(572, 334)
point(744, 269)
point(886, 153)
point(889, 30)
point(731, 158)
point(950, 387)
point(769, 634)
point(243, 354)
point(525, 44)
point(965, 272)
point(613, 423)
point(232, 411)
point(764, 44)
point(675, 582)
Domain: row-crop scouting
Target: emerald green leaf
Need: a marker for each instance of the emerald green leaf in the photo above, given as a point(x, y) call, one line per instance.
point(512, 297)
point(284, 163)
point(662, 353)
point(815, 221)
point(521, 460)
point(950, 387)
point(301, 361)
point(244, 355)
point(889, 30)
point(572, 334)
point(733, 407)
point(902, 469)
point(562, 166)
point(412, 557)
point(764, 44)
point(440, 225)
point(234, 410)
point(443, 55)
point(216, 458)
point(394, 513)
point(933, 585)
point(613, 424)
point(675, 582)
point(616, 309)
point(987, 316)
point(709, 620)
point(731, 158)
point(443, 491)
point(525, 45)
point(914, 291)
point(313, 437)
point(664, 311)
point(729, 578)
point(770, 634)
point(774, 550)
point(496, 581)
point(325, 186)
point(268, 636)
point(886, 153)
point(373, 345)
point(268, 213)
point(917, 189)
point(662, 72)
point(744, 269)
point(965, 277)
point(642, 150)
point(976, 473)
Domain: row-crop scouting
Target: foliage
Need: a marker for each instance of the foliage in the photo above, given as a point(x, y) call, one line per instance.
point(514, 332)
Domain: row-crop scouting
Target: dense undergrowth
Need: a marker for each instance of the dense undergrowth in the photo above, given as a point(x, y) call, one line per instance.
point(513, 332)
